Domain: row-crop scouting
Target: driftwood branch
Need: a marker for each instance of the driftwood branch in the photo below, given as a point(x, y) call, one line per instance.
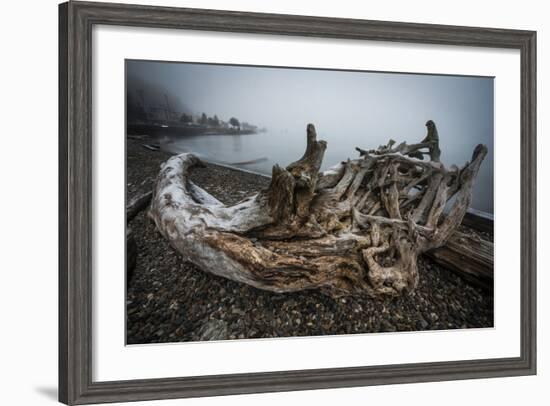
point(356, 229)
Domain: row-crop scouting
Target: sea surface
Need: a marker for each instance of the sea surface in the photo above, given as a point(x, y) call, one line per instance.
point(259, 152)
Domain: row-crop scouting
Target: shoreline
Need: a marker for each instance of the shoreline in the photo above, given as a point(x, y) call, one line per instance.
point(184, 130)
point(169, 300)
point(236, 168)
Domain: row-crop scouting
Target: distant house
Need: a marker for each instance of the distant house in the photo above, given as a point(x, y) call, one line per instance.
point(248, 127)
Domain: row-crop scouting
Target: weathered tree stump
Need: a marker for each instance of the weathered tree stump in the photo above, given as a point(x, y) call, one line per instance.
point(356, 229)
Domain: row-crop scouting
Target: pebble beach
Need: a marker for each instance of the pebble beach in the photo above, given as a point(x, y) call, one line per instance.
point(170, 300)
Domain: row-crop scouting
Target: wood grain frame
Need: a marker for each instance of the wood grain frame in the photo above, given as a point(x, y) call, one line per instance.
point(76, 20)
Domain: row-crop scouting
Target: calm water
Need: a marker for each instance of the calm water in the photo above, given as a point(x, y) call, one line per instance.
point(349, 109)
point(259, 152)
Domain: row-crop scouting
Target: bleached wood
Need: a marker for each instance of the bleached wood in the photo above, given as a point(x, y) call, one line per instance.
point(356, 229)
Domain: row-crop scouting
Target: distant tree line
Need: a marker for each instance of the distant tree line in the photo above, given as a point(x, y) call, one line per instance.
point(214, 121)
point(234, 122)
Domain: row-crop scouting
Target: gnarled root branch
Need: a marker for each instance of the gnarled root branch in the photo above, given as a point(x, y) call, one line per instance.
point(356, 229)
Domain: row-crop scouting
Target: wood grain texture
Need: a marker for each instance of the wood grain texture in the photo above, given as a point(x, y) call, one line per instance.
point(470, 257)
point(75, 196)
point(479, 221)
point(357, 234)
point(63, 363)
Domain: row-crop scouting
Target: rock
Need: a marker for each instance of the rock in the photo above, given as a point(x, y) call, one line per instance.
point(237, 311)
point(213, 330)
point(386, 326)
point(423, 323)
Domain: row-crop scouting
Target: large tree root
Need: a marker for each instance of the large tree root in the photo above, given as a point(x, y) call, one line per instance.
point(356, 229)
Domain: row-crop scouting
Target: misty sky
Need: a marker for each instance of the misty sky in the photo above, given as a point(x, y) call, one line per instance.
point(349, 109)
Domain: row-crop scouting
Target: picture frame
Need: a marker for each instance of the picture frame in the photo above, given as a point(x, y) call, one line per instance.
point(76, 352)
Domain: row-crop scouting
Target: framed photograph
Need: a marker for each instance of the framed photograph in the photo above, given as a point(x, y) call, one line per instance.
point(259, 202)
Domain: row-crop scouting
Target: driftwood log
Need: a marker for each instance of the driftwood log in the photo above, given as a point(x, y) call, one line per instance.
point(133, 207)
point(137, 204)
point(355, 229)
point(469, 256)
point(479, 220)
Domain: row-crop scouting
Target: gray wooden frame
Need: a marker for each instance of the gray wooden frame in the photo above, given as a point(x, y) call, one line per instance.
point(76, 20)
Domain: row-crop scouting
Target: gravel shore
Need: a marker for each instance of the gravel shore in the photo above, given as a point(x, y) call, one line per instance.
point(169, 300)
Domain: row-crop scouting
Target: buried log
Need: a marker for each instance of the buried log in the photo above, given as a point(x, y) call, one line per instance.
point(137, 204)
point(356, 229)
point(134, 206)
point(131, 254)
point(479, 220)
point(468, 256)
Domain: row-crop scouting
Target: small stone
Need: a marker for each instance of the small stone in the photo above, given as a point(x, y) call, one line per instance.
point(213, 330)
point(423, 323)
point(386, 326)
point(238, 311)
